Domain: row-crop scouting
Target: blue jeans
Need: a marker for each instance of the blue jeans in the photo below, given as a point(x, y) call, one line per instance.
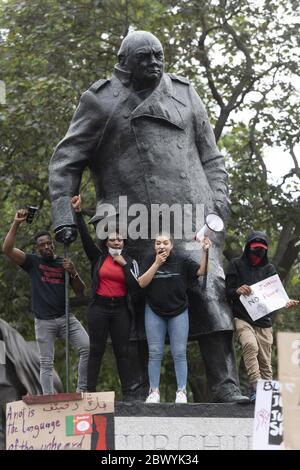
point(156, 329)
point(45, 332)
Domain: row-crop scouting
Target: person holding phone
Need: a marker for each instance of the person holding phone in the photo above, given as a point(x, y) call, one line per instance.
point(166, 277)
point(47, 276)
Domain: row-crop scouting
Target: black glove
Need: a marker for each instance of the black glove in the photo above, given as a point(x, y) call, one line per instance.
point(66, 234)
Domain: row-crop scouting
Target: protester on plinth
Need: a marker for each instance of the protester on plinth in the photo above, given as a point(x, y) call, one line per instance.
point(47, 276)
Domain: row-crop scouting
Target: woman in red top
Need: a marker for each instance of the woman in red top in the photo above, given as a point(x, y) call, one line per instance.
point(113, 276)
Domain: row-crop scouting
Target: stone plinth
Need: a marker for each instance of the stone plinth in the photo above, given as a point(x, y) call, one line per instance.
point(197, 426)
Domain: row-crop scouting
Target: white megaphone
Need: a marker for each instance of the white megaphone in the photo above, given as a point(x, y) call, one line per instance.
point(213, 223)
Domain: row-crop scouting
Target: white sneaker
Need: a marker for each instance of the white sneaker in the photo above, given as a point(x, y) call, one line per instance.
point(181, 396)
point(153, 397)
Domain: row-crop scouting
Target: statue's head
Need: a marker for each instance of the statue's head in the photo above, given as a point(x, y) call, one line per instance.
point(142, 55)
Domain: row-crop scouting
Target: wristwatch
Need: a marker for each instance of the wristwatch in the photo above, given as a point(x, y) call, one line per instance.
point(74, 276)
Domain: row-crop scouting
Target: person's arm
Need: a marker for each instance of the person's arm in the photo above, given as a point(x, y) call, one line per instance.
point(71, 156)
point(77, 283)
point(233, 285)
point(203, 266)
point(244, 289)
point(292, 303)
point(90, 248)
point(147, 277)
point(16, 255)
point(131, 271)
point(211, 158)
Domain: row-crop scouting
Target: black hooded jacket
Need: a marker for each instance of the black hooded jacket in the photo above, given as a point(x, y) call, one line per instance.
point(240, 271)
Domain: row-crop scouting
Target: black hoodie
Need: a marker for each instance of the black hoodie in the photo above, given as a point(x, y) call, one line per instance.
point(240, 271)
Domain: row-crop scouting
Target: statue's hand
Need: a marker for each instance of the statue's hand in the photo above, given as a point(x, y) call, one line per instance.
point(222, 210)
point(66, 234)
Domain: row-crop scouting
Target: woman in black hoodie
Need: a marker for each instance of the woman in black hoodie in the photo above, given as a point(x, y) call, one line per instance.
point(113, 278)
point(255, 337)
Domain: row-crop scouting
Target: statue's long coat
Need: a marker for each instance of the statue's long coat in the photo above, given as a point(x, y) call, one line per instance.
point(157, 150)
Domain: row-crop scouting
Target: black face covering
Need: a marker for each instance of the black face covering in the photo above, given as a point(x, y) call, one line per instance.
point(256, 255)
point(260, 252)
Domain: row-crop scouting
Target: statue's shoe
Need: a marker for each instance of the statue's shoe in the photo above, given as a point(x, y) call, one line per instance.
point(234, 398)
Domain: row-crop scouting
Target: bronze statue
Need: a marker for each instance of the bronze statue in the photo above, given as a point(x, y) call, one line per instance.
point(145, 134)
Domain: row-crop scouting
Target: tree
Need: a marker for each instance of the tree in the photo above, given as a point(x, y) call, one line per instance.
point(242, 56)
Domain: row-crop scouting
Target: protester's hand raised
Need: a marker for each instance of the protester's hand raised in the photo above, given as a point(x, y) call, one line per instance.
point(20, 216)
point(205, 243)
point(76, 203)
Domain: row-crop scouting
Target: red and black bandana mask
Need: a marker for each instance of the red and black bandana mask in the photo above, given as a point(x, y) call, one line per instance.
point(256, 252)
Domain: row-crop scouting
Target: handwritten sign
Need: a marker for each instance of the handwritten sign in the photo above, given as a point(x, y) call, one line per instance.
point(268, 420)
point(289, 375)
point(267, 296)
point(82, 424)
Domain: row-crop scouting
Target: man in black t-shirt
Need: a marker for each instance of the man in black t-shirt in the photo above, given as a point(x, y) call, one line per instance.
point(47, 275)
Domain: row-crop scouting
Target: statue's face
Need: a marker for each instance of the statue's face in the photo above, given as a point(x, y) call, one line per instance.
point(145, 61)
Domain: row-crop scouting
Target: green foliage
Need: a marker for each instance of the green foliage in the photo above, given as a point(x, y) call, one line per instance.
point(241, 57)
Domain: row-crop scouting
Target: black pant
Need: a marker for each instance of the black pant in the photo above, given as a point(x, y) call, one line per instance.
point(109, 316)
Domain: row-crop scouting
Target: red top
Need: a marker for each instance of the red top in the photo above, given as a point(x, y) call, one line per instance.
point(111, 279)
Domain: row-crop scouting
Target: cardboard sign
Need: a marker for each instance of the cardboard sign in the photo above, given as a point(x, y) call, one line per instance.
point(289, 375)
point(268, 421)
point(78, 425)
point(267, 296)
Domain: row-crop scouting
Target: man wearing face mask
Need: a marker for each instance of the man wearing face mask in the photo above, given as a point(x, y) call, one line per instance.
point(255, 337)
point(47, 276)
